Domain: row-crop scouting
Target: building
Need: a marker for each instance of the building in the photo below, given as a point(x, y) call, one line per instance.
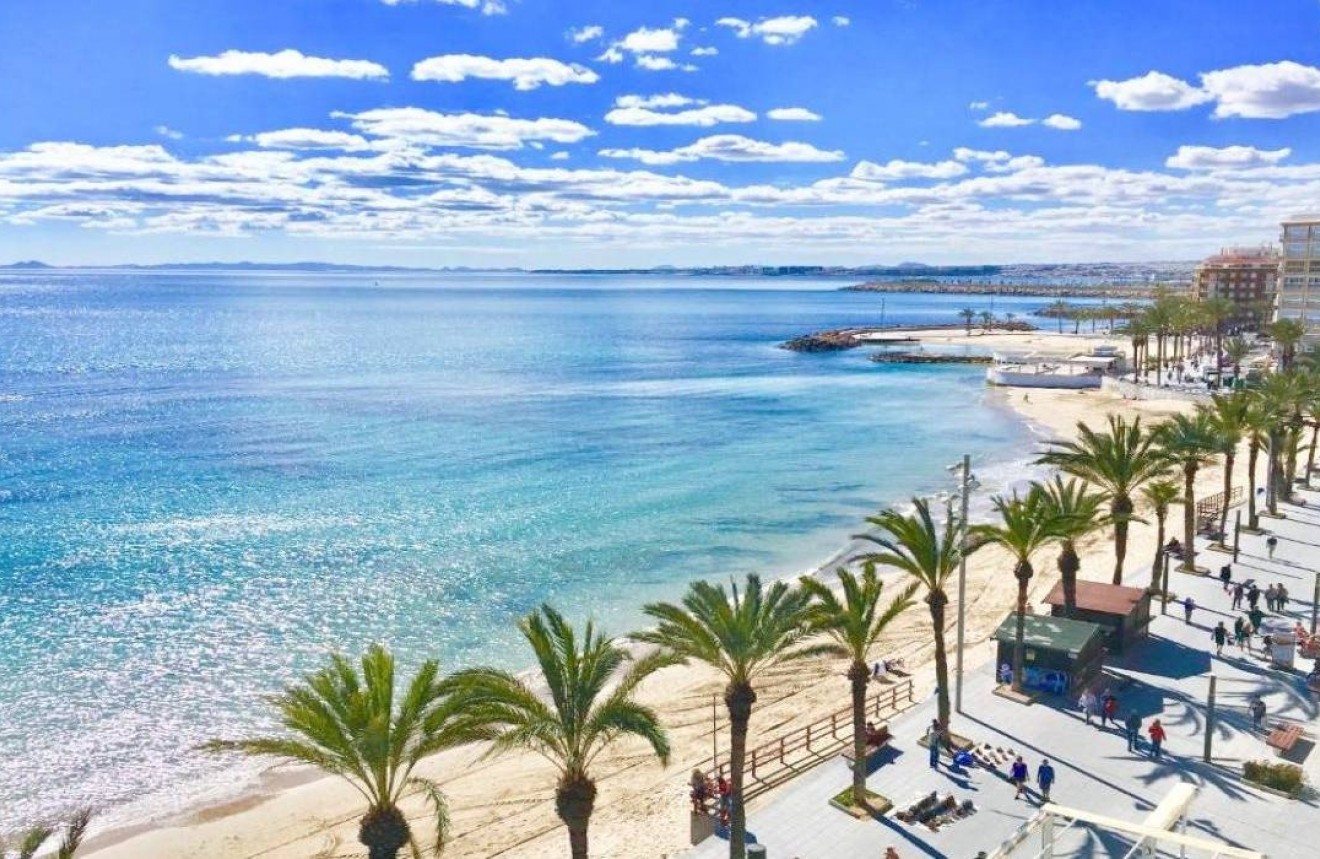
point(1246, 277)
point(1299, 273)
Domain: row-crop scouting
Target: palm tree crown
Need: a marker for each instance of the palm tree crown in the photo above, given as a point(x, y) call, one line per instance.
point(1078, 512)
point(582, 716)
point(71, 838)
point(353, 723)
point(1160, 495)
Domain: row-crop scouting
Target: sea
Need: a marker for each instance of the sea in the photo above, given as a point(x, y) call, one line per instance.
point(208, 481)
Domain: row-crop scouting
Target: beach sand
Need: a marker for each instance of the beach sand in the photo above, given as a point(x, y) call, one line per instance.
point(503, 806)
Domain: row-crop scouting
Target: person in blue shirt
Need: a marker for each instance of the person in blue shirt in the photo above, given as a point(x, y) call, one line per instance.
point(1017, 776)
point(1045, 778)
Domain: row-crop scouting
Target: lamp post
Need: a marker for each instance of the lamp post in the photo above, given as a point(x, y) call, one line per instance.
point(962, 580)
point(1210, 721)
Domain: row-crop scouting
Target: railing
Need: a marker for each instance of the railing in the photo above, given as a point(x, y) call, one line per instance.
point(1209, 508)
point(772, 763)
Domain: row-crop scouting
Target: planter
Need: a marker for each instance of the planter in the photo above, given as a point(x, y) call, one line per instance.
point(843, 801)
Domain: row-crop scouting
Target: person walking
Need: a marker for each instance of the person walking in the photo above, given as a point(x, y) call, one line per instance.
point(1088, 704)
point(1238, 593)
point(1132, 727)
point(1220, 635)
point(1257, 710)
point(1045, 778)
point(1271, 544)
point(1253, 595)
point(1110, 711)
point(1240, 632)
point(1189, 606)
point(1257, 617)
point(933, 738)
point(1281, 598)
point(1157, 735)
point(1225, 576)
point(1271, 595)
point(1017, 776)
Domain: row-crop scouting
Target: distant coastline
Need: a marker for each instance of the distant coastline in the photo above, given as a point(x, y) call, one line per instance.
point(1134, 292)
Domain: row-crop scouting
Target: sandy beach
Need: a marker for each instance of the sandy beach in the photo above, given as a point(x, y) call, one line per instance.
point(503, 807)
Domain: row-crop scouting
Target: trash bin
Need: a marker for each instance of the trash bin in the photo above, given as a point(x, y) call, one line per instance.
point(756, 851)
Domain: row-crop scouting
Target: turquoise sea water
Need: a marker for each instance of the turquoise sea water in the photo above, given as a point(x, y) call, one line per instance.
point(206, 481)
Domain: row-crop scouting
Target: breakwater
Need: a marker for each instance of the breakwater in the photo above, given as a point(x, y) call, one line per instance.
point(838, 339)
point(928, 358)
point(1042, 290)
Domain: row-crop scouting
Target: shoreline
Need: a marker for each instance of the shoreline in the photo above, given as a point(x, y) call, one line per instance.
point(503, 805)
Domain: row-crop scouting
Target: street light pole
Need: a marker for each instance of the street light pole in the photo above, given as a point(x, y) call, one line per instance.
point(1315, 602)
point(1210, 721)
point(962, 580)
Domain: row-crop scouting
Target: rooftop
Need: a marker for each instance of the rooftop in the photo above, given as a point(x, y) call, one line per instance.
point(1101, 597)
point(1054, 633)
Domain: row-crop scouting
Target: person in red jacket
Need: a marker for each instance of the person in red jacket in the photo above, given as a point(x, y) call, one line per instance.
point(1157, 735)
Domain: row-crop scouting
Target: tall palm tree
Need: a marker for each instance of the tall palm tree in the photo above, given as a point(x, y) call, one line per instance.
point(740, 634)
point(355, 724)
point(1278, 400)
point(1256, 427)
point(853, 620)
point(1228, 415)
point(986, 318)
point(967, 314)
point(1078, 512)
point(1286, 333)
point(1215, 312)
point(582, 717)
point(71, 838)
point(930, 554)
point(1190, 442)
point(1059, 310)
point(1025, 526)
point(1117, 462)
point(1236, 349)
point(1160, 495)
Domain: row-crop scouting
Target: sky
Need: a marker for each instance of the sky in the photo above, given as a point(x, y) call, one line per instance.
point(605, 133)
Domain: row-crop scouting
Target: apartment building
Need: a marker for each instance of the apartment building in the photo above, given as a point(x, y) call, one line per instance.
point(1299, 273)
point(1246, 277)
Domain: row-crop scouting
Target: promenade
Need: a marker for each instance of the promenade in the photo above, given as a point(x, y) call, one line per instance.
point(1166, 676)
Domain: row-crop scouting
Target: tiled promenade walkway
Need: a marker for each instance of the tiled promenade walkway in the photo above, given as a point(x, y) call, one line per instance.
point(1167, 676)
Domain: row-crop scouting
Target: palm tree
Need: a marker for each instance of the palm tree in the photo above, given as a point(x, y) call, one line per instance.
point(740, 634)
point(582, 717)
point(929, 554)
point(1236, 349)
point(1026, 525)
point(1160, 495)
point(71, 838)
point(1277, 400)
point(355, 724)
point(1256, 427)
point(1228, 415)
point(1117, 462)
point(1190, 442)
point(1217, 311)
point(967, 314)
point(986, 318)
point(1078, 512)
point(1059, 310)
point(854, 624)
point(1286, 333)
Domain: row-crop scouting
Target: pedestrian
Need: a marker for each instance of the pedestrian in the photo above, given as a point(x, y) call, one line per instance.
point(933, 739)
point(1110, 712)
point(1220, 635)
point(1225, 576)
point(890, 853)
point(725, 789)
point(1257, 617)
point(1271, 544)
point(1281, 598)
point(1240, 632)
point(1132, 726)
point(1257, 710)
point(1238, 593)
point(1045, 778)
point(1017, 776)
point(1157, 735)
point(1189, 605)
point(1088, 704)
point(1253, 595)
point(1271, 595)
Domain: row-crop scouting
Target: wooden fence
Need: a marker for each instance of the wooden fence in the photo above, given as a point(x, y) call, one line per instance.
point(1209, 508)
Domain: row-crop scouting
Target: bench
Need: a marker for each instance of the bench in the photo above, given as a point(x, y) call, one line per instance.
point(881, 741)
point(1284, 737)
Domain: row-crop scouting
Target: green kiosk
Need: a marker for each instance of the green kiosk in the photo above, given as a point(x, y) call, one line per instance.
point(1058, 654)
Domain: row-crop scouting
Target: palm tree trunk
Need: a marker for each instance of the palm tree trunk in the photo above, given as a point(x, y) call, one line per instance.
point(1069, 564)
point(1310, 457)
point(1023, 573)
point(1229, 458)
point(384, 831)
point(1121, 509)
point(1189, 519)
point(738, 698)
point(1159, 552)
point(858, 676)
point(1294, 446)
point(575, 798)
point(1253, 451)
point(1272, 473)
point(937, 600)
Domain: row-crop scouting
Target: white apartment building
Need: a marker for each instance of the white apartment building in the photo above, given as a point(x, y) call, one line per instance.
point(1299, 273)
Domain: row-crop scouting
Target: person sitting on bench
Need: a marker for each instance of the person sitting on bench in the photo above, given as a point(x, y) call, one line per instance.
point(1173, 548)
point(876, 737)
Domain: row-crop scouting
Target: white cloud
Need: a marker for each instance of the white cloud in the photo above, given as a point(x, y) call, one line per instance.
point(705, 51)
point(611, 55)
point(898, 170)
point(560, 156)
point(638, 114)
point(729, 147)
point(783, 30)
point(478, 131)
point(282, 65)
point(305, 138)
point(167, 132)
point(1227, 157)
point(979, 105)
point(525, 73)
point(487, 7)
point(841, 20)
point(1061, 122)
point(645, 40)
point(1269, 91)
point(1004, 119)
point(653, 63)
point(670, 99)
point(591, 32)
point(1152, 91)
point(964, 153)
point(792, 114)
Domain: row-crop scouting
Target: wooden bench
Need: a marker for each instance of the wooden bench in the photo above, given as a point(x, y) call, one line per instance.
point(1284, 737)
point(871, 747)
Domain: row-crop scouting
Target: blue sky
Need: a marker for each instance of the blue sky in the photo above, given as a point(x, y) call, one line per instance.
point(593, 133)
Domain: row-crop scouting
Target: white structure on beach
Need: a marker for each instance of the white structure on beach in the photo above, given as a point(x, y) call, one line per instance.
point(1037, 371)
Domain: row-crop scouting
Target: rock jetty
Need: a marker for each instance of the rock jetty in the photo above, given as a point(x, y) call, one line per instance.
point(928, 358)
point(826, 341)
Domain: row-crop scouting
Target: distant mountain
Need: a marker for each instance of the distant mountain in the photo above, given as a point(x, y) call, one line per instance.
point(27, 264)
